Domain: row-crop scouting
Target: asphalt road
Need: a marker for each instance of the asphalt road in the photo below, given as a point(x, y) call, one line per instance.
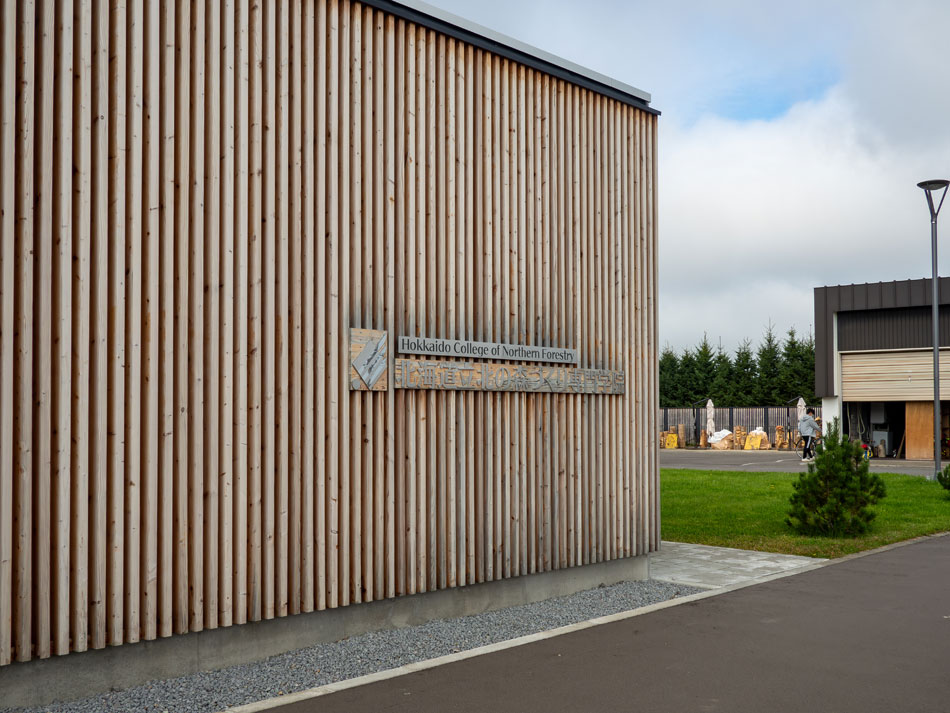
point(764, 461)
point(863, 635)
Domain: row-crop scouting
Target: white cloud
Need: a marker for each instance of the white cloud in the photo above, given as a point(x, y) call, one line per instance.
point(756, 213)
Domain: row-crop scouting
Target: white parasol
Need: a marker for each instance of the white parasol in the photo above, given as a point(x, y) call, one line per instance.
point(710, 417)
point(801, 408)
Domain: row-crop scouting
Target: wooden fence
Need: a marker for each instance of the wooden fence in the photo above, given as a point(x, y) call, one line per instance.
point(765, 417)
point(198, 199)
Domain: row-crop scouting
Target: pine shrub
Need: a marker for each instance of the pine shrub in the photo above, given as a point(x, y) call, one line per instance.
point(943, 477)
point(834, 496)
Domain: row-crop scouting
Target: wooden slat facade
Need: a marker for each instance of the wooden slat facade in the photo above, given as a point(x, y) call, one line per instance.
point(197, 201)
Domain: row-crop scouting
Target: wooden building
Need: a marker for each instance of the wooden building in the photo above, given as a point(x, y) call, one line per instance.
point(207, 211)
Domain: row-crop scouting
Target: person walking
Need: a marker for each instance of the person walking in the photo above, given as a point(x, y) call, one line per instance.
point(808, 428)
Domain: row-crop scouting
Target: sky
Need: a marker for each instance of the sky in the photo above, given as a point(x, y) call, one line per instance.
point(791, 141)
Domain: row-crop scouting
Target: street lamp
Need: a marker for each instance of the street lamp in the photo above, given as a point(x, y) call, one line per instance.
point(930, 187)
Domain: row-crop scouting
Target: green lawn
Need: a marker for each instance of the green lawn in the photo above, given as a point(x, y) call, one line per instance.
point(747, 511)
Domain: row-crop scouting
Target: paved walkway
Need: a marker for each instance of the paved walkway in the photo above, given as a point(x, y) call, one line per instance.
point(774, 461)
point(866, 634)
point(712, 567)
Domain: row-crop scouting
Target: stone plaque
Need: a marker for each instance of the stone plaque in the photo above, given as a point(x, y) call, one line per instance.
point(466, 376)
point(461, 349)
point(369, 360)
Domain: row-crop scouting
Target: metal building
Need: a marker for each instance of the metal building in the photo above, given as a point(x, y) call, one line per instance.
point(874, 361)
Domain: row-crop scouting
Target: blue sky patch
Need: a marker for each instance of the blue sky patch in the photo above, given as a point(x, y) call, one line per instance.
point(758, 97)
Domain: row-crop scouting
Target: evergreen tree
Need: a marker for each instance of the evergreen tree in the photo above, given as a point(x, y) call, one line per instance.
point(768, 390)
point(807, 357)
point(744, 376)
point(689, 379)
point(705, 368)
point(834, 497)
point(792, 377)
point(721, 391)
point(775, 374)
point(669, 377)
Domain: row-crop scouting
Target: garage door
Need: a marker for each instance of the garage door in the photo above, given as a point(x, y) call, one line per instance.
point(893, 376)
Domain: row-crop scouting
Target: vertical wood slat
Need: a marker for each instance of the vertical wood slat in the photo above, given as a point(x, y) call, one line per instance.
point(340, 337)
point(282, 157)
point(310, 241)
point(22, 608)
point(133, 321)
point(8, 192)
point(254, 314)
point(268, 297)
point(408, 293)
point(449, 484)
point(42, 355)
point(320, 295)
point(210, 320)
point(187, 259)
point(98, 330)
point(364, 544)
point(374, 510)
point(397, 168)
point(241, 286)
point(391, 312)
point(353, 279)
point(196, 321)
point(429, 502)
point(61, 392)
point(165, 315)
point(151, 279)
point(226, 320)
point(333, 305)
point(182, 171)
point(295, 316)
point(653, 470)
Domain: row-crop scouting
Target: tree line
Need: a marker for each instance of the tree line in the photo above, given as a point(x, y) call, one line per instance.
point(773, 374)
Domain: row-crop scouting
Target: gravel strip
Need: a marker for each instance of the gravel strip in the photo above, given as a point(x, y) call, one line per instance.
point(211, 691)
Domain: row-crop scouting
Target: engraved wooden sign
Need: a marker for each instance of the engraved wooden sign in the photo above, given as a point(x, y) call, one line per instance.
point(466, 376)
point(369, 360)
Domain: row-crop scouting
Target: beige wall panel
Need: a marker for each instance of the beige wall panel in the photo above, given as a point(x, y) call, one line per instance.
point(893, 376)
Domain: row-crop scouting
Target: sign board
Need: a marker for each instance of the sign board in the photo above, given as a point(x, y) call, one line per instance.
point(458, 348)
point(466, 376)
point(369, 360)
point(369, 367)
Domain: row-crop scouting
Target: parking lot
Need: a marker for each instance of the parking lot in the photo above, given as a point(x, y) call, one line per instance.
point(764, 461)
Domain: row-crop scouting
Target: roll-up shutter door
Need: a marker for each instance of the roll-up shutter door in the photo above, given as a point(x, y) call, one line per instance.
point(893, 376)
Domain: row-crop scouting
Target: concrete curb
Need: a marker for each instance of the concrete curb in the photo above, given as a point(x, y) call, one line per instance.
point(551, 633)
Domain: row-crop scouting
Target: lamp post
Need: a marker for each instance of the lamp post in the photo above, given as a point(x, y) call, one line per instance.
point(930, 187)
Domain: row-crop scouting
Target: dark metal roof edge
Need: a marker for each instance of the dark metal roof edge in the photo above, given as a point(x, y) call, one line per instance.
point(838, 290)
point(504, 46)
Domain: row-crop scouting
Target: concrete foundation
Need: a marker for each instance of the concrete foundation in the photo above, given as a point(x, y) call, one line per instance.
point(77, 675)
